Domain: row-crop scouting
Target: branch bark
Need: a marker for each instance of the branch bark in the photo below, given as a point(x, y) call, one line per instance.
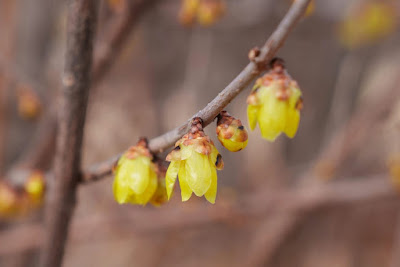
point(208, 114)
point(71, 117)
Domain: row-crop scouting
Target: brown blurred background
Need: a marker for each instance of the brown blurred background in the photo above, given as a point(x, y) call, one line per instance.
point(165, 73)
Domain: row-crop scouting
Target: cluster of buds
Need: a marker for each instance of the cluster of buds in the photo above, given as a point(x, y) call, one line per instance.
point(275, 103)
point(17, 201)
point(138, 179)
point(205, 12)
point(231, 133)
point(195, 161)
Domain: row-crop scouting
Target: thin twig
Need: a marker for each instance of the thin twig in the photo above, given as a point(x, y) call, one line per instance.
point(305, 200)
point(116, 36)
point(72, 112)
point(208, 114)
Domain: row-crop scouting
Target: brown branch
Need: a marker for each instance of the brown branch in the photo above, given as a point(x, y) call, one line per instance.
point(71, 116)
point(38, 155)
point(245, 77)
point(286, 202)
point(116, 36)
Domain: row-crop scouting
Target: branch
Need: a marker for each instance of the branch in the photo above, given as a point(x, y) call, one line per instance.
point(71, 118)
point(40, 152)
point(285, 202)
point(245, 77)
point(116, 36)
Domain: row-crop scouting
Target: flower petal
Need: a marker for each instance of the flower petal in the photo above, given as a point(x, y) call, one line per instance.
point(186, 151)
point(211, 194)
point(143, 198)
point(138, 174)
point(198, 173)
point(252, 113)
point(292, 122)
point(272, 116)
point(186, 191)
point(170, 176)
point(121, 192)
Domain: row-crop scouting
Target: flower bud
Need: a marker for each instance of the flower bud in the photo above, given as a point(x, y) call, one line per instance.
point(231, 133)
point(35, 187)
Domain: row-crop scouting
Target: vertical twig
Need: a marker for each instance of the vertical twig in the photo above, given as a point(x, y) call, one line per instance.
point(72, 111)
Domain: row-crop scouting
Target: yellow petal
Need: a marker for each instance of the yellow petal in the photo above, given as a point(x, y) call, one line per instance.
point(186, 151)
point(292, 122)
point(272, 117)
point(198, 173)
point(147, 194)
point(211, 194)
point(121, 192)
point(252, 113)
point(137, 173)
point(170, 176)
point(186, 191)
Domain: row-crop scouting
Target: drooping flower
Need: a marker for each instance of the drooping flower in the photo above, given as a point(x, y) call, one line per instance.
point(195, 161)
point(205, 12)
point(231, 133)
point(275, 103)
point(135, 176)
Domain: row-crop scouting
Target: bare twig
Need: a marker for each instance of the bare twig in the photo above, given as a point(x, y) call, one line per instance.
point(76, 82)
point(248, 74)
point(115, 37)
point(38, 155)
point(285, 202)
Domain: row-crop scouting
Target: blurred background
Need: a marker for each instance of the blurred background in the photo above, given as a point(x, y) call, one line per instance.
point(327, 198)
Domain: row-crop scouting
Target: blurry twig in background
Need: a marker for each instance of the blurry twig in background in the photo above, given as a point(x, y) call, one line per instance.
point(116, 35)
point(40, 153)
point(61, 195)
point(208, 114)
point(286, 205)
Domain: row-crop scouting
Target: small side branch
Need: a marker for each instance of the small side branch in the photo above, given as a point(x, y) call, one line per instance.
point(71, 118)
point(248, 74)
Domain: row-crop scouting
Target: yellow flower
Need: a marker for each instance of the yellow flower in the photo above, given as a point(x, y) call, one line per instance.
point(366, 23)
point(135, 176)
point(195, 161)
point(231, 133)
point(206, 12)
point(210, 11)
point(275, 103)
point(35, 187)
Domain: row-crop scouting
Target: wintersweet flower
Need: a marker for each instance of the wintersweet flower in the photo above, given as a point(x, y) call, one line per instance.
point(231, 133)
point(35, 187)
point(275, 103)
point(135, 176)
point(195, 161)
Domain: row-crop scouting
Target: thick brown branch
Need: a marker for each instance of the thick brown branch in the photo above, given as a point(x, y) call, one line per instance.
point(248, 74)
point(71, 117)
